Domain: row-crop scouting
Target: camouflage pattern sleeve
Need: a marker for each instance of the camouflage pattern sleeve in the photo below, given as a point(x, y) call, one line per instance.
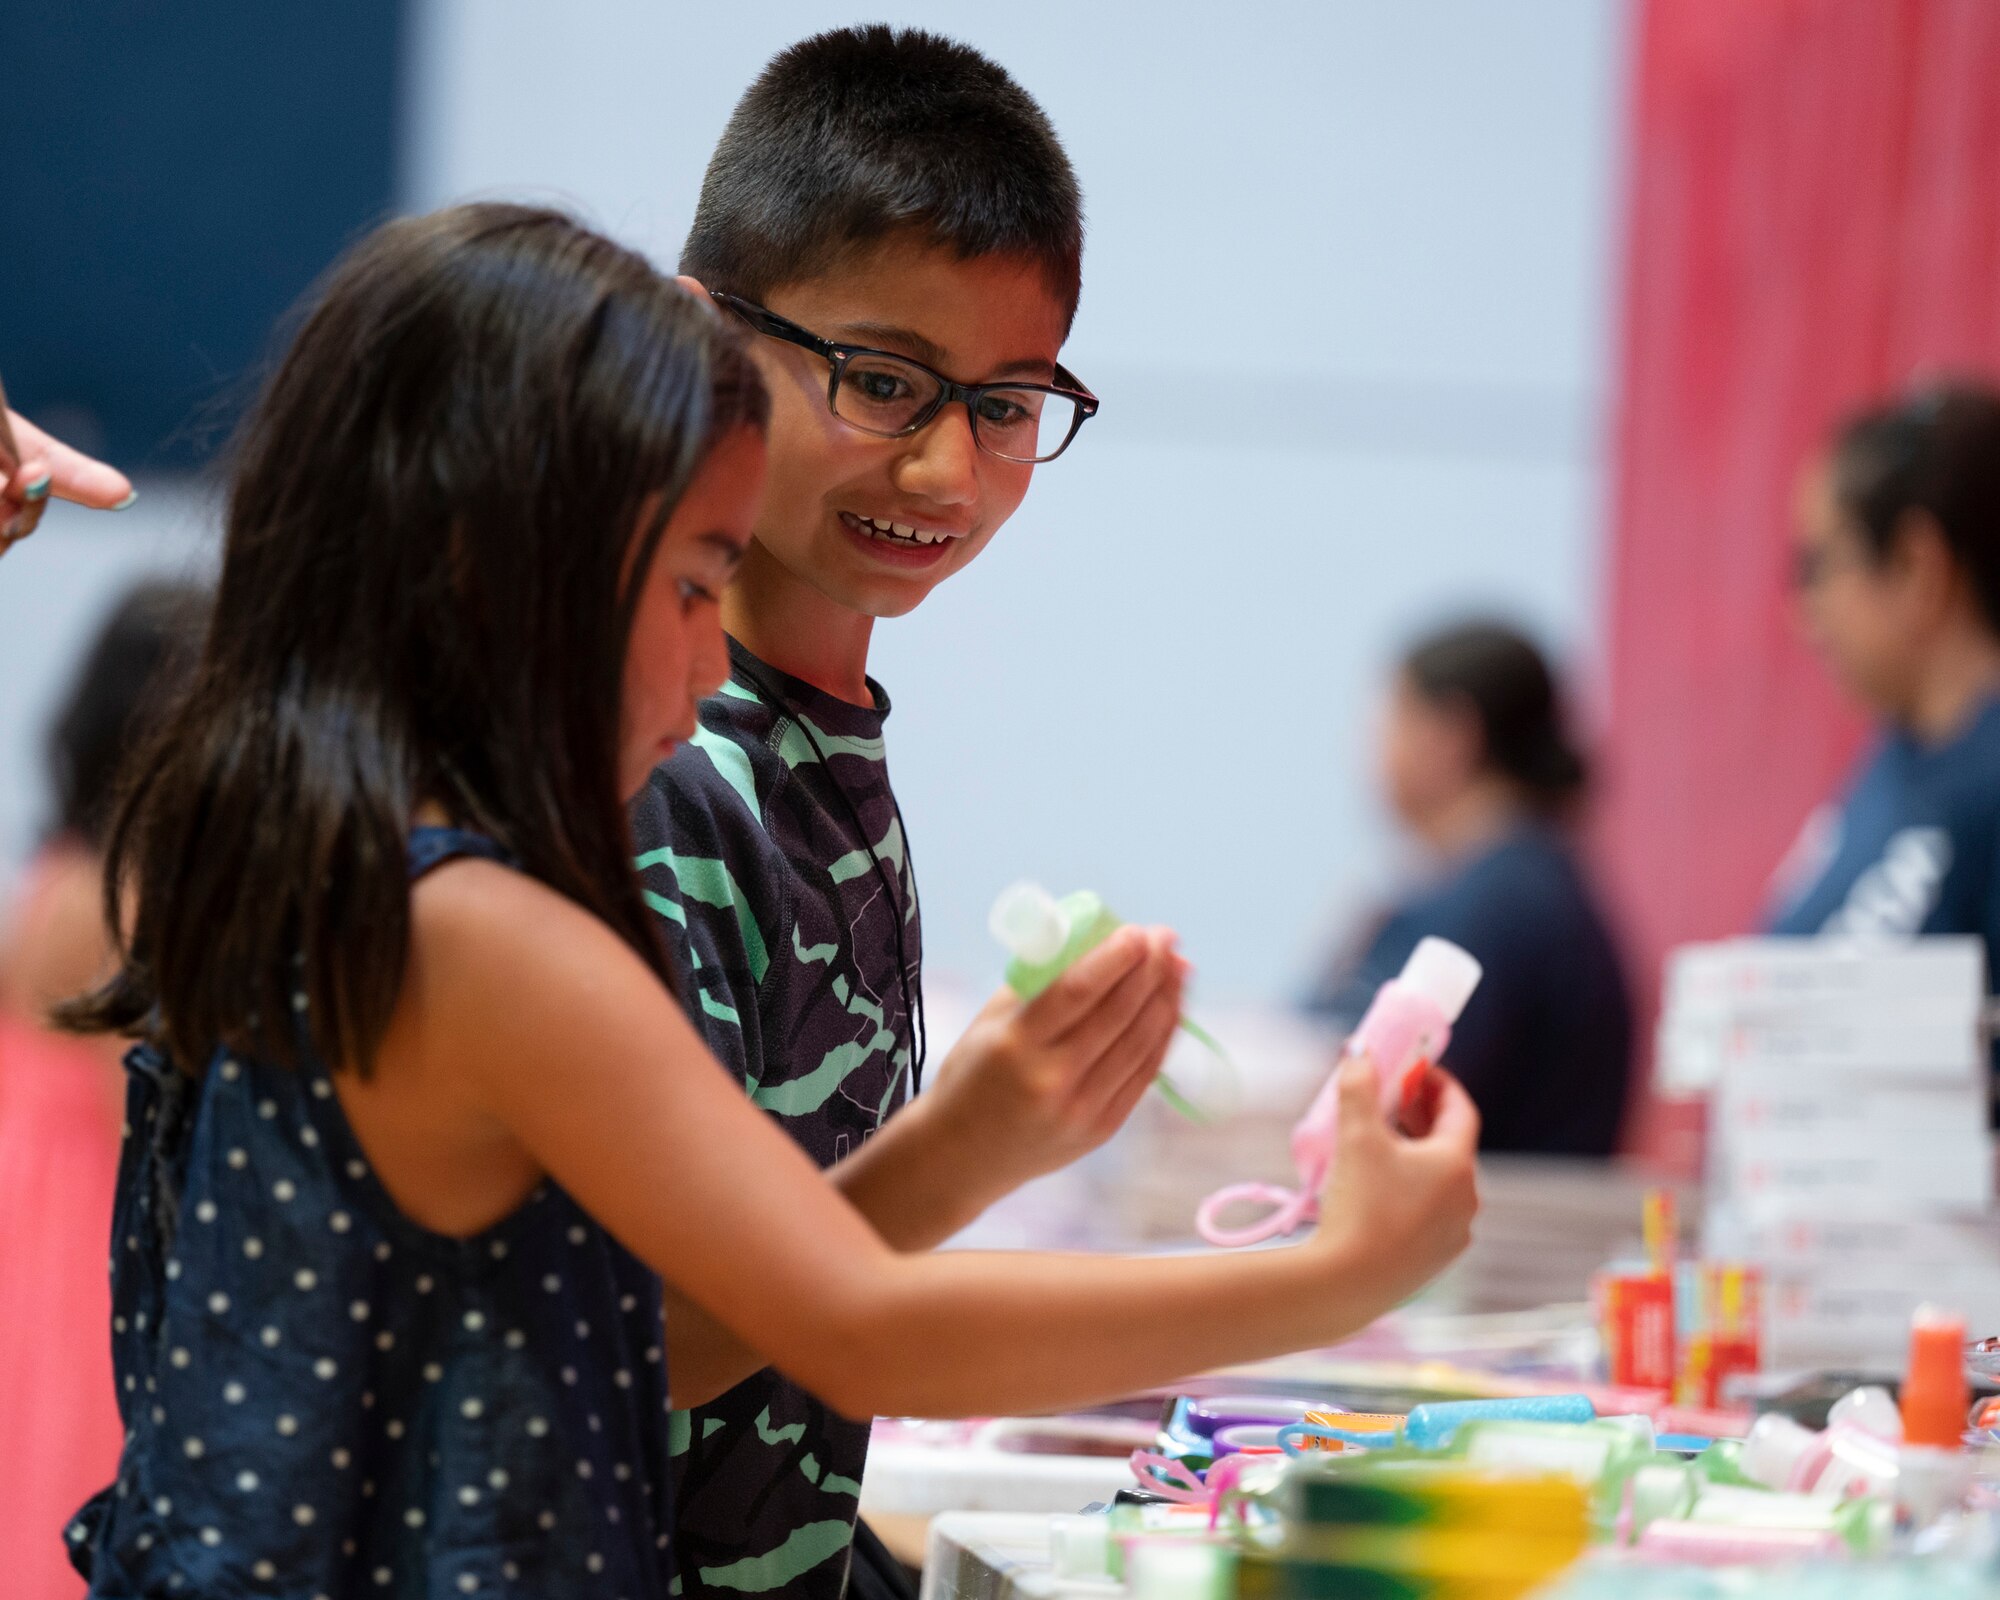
point(703, 862)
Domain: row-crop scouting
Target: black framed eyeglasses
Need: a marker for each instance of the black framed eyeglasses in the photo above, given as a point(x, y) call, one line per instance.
point(880, 392)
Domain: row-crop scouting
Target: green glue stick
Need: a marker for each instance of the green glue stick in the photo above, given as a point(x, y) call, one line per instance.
point(1044, 937)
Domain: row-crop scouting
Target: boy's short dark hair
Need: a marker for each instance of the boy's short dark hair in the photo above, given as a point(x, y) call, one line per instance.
point(854, 133)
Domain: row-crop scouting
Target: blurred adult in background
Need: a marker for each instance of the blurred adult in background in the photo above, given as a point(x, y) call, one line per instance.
point(1476, 763)
point(1898, 573)
point(60, 1106)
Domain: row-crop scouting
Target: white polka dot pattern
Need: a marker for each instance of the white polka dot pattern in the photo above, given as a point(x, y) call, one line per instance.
point(329, 1401)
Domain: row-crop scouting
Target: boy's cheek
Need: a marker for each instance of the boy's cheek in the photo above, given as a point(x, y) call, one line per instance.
point(1006, 488)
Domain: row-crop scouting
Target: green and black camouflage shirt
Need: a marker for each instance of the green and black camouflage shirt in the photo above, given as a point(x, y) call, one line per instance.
point(784, 929)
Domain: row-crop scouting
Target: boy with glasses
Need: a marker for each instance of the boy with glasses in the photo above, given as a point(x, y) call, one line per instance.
point(894, 221)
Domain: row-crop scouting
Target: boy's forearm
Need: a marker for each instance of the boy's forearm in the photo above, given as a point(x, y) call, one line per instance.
point(917, 1181)
point(913, 1182)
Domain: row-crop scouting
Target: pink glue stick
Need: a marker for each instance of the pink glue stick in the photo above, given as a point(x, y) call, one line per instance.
point(1405, 1030)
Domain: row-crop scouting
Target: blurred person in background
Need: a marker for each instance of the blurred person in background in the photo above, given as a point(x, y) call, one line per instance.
point(1476, 764)
point(1897, 566)
point(60, 1104)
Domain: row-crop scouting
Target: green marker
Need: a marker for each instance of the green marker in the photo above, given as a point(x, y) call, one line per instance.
point(1046, 937)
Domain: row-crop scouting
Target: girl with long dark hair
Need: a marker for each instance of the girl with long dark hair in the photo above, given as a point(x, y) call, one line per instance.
point(417, 1128)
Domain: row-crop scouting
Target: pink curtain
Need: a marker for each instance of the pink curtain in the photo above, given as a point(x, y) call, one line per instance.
point(1813, 221)
point(59, 1429)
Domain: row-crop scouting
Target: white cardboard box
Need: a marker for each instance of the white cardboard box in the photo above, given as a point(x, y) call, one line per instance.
point(1821, 1321)
point(1945, 1174)
point(1765, 1102)
point(1750, 976)
point(1900, 1043)
point(1826, 1236)
point(1911, 1011)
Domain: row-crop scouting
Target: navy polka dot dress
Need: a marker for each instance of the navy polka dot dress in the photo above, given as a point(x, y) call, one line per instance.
point(322, 1399)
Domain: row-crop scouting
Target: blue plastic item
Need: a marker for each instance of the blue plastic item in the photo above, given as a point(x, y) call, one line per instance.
point(1432, 1427)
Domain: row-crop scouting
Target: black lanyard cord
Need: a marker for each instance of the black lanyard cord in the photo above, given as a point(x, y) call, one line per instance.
point(913, 1010)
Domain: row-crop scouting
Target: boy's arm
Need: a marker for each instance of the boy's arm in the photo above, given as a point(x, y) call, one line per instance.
point(1026, 1091)
point(1029, 1088)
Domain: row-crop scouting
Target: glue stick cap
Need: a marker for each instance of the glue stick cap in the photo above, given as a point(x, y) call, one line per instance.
point(1443, 974)
point(1935, 1397)
point(1029, 923)
point(1776, 1447)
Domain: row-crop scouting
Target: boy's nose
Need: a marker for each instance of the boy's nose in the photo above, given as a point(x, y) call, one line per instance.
point(942, 463)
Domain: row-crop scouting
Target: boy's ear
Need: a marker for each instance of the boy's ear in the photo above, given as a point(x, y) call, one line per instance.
point(692, 284)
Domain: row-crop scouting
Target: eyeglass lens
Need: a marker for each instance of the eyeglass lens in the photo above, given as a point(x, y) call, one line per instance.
point(885, 395)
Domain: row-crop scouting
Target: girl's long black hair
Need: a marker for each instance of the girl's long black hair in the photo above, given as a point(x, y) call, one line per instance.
point(443, 507)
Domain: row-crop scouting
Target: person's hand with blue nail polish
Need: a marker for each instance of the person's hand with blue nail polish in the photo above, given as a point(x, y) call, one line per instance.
point(39, 468)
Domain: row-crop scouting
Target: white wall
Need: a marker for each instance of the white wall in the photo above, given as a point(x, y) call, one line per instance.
point(54, 590)
point(1344, 300)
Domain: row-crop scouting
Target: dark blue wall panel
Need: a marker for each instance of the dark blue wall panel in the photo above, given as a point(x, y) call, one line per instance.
point(177, 175)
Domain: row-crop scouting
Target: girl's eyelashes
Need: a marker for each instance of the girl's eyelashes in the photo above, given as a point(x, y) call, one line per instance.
point(693, 594)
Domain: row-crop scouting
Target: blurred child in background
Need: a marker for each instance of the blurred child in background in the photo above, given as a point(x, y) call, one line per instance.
point(60, 1099)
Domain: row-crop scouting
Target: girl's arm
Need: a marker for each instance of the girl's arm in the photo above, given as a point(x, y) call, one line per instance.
point(1030, 1087)
point(528, 1029)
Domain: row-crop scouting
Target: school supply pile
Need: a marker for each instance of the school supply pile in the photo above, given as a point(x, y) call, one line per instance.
point(1849, 1152)
point(1255, 1495)
point(1681, 1327)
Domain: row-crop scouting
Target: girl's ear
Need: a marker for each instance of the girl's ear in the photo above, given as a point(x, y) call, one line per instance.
point(1921, 560)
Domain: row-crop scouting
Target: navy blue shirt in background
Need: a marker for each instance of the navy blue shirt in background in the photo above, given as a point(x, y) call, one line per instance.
point(1545, 1044)
point(1913, 847)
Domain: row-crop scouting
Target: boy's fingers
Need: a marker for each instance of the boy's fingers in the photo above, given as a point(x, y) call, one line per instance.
point(1099, 1029)
point(1073, 996)
point(1134, 1061)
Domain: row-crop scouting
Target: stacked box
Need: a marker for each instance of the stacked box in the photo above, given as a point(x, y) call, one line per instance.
point(1849, 1151)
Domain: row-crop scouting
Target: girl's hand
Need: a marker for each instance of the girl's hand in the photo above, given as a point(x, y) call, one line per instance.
point(46, 468)
point(1397, 1210)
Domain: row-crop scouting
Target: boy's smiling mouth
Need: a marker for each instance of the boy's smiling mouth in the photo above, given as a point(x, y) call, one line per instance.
point(884, 535)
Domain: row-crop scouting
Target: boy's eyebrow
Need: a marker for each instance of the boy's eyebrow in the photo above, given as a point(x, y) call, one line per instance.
point(933, 354)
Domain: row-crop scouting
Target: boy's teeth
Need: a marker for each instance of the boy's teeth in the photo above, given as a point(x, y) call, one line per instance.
point(900, 531)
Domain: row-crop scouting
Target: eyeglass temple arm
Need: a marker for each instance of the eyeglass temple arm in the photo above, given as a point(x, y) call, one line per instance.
point(769, 322)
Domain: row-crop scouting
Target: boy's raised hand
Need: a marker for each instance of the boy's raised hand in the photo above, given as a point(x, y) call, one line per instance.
point(1032, 1086)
